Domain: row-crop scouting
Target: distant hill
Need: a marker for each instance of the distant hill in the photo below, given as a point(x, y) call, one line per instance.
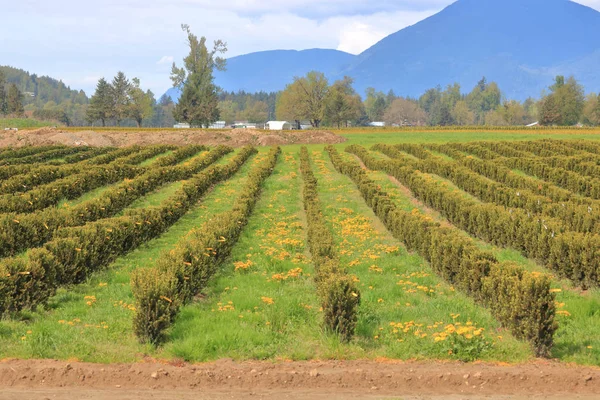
point(521, 44)
point(270, 71)
point(39, 90)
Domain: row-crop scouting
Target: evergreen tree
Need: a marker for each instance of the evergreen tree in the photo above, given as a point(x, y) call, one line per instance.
point(100, 107)
point(120, 97)
point(14, 101)
point(198, 104)
point(3, 104)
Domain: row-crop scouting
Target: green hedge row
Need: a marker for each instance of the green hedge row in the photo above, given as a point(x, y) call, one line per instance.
point(44, 156)
point(559, 154)
point(22, 231)
point(570, 254)
point(339, 295)
point(10, 153)
point(183, 272)
point(569, 216)
point(8, 171)
point(46, 173)
point(520, 301)
point(76, 185)
point(75, 253)
point(516, 159)
point(179, 155)
point(580, 214)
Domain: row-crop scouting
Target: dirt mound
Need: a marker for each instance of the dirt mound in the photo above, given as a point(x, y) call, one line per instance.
point(234, 137)
point(293, 380)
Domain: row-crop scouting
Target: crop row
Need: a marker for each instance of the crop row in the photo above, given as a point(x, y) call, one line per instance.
point(339, 295)
point(73, 186)
point(22, 231)
point(520, 301)
point(76, 252)
point(570, 254)
point(570, 216)
point(516, 159)
point(47, 173)
point(44, 156)
point(183, 272)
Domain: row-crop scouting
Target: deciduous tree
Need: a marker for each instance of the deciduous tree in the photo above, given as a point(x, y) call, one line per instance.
point(141, 104)
point(343, 104)
point(198, 104)
point(304, 99)
point(404, 112)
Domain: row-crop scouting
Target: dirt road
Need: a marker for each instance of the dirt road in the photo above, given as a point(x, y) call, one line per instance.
point(331, 380)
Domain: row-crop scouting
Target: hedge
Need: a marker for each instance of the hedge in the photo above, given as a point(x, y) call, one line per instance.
point(535, 236)
point(183, 272)
point(454, 257)
point(77, 252)
point(339, 295)
point(22, 231)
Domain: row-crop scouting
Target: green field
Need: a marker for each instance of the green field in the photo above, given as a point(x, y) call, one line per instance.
point(68, 258)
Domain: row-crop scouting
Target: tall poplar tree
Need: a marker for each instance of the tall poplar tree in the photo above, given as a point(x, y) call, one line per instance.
point(199, 102)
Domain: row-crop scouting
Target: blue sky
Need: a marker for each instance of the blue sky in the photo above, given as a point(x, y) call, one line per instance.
point(80, 41)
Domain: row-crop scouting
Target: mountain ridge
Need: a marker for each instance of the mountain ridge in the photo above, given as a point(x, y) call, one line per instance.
point(520, 44)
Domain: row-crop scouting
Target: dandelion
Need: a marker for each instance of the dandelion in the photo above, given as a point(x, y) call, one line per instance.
point(267, 300)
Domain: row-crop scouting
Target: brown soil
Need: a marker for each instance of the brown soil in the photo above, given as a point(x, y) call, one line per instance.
point(236, 137)
point(329, 380)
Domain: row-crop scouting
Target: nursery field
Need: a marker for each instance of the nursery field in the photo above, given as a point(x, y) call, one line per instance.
point(391, 250)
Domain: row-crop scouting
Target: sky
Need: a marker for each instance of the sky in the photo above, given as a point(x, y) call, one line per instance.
point(80, 41)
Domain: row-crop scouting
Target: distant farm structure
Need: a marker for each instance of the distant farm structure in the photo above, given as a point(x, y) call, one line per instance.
point(278, 125)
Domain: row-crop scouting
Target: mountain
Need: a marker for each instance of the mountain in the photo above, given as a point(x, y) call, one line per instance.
point(39, 90)
point(270, 71)
point(520, 44)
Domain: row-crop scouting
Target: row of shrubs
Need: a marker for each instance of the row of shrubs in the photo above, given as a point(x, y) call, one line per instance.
point(75, 253)
point(573, 192)
point(22, 231)
point(578, 213)
point(43, 156)
point(339, 295)
point(570, 216)
point(571, 254)
point(522, 302)
point(92, 152)
point(183, 272)
point(558, 154)
point(73, 186)
point(516, 159)
point(8, 171)
point(44, 174)
point(14, 153)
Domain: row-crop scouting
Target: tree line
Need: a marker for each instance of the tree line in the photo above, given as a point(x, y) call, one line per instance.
point(309, 99)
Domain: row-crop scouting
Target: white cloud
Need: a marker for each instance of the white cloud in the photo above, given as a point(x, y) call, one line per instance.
point(165, 60)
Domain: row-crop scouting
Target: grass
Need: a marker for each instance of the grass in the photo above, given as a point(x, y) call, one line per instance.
point(579, 313)
point(263, 303)
point(263, 307)
point(69, 328)
point(23, 123)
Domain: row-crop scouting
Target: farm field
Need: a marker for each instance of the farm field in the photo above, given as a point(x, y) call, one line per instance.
point(410, 247)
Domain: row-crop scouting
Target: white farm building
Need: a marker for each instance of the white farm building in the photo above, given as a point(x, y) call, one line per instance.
point(278, 125)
